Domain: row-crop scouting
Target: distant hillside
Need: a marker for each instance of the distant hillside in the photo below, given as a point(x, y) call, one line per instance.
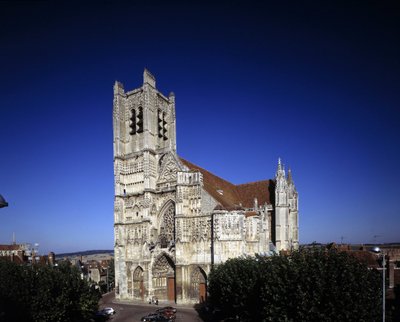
point(85, 253)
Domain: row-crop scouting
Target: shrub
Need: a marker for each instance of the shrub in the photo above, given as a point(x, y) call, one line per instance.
point(44, 293)
point(308, 285)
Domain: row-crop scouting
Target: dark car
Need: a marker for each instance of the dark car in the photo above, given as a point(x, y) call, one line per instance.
point(167, 312)
point(170, 308)
point(154, 317)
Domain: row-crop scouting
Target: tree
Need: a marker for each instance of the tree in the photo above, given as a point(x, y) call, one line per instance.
point(308, 285)
point(44, 293)
point(111, 274)
point(14, 292)
point(232, 288)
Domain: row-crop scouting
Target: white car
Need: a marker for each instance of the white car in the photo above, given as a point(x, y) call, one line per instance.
point(108, 310)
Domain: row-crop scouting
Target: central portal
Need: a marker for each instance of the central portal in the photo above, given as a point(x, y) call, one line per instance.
point(164, 278)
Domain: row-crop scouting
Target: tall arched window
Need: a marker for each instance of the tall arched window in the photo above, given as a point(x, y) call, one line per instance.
point(167, 227)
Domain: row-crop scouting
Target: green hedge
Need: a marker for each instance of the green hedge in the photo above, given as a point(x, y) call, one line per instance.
point(308, 285)
point(43, 293)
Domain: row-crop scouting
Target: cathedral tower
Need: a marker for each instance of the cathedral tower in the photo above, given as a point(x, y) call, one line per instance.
point(144, 132)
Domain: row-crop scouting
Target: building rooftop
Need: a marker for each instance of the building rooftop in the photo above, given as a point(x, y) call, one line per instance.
point(231, 196)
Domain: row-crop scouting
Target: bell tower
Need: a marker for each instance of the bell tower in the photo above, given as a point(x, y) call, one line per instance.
point(144, 119)
point(144, 129)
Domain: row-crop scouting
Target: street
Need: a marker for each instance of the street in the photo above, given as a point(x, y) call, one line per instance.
point(134, 312)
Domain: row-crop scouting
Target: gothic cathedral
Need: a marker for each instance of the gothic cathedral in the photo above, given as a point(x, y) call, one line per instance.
point(174, 220)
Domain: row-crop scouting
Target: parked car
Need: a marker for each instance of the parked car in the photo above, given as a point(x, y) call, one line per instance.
point(169, 308)
point(167, 312)
point(154, 317)
point(108, 310)
point(101, 316)
point(104, 314)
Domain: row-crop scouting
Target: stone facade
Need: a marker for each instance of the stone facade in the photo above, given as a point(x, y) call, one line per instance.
point(173, 220)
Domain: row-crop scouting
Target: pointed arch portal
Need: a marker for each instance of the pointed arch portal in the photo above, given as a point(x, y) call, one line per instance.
point(198, 285)
point(138, 283)
point(164, 278)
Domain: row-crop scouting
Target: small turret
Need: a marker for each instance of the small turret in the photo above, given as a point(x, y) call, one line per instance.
point(280, 177)
point(118, 88)
point(289, 177)
point(148, 78)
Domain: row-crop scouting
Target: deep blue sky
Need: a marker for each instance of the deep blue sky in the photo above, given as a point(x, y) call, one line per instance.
point(315, 84)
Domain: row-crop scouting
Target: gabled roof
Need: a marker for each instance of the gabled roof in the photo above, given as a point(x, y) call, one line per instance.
point(231, 196)
point(10, 247)
point(258, 189)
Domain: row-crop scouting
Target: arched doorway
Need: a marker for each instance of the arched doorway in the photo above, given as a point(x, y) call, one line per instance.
point(164, 278)
point(138, 283)
point(198, 285)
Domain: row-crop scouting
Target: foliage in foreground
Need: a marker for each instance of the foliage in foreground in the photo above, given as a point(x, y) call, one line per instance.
point(43, 293)
point(308, 285)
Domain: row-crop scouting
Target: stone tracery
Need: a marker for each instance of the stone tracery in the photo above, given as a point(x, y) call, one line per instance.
point(167, 227)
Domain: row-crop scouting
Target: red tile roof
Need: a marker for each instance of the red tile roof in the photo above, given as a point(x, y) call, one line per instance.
point(10, 247)
point(231, 196)
point(366, 257)
point(257, 189)
point(251, 213)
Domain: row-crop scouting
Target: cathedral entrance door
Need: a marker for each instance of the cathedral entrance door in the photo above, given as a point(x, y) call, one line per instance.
point(138, 284)
point(171, 289)
point(198, 281)
point(202, 292)
point(141, 290)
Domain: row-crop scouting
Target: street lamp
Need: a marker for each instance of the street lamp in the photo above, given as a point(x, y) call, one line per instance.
point(3, 202)
point(377, 250)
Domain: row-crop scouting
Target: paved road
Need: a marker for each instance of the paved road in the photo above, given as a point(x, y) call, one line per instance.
point(132, 312)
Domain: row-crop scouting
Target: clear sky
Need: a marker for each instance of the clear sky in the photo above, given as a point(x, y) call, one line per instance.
point(315, 84)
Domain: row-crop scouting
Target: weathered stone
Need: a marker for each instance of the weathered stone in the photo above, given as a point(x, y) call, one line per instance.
point(173, 220)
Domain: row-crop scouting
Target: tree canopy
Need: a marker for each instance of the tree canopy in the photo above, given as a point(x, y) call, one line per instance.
point(307, 285)
point(44, 293)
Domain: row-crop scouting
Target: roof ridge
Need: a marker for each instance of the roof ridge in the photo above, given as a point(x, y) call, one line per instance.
point(230, 195)
point(184, 160)
point(253, 182)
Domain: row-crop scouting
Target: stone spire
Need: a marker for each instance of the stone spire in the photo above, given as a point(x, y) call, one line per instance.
point(280, 172)
point(148, 78)
point(289, 177)
point(280, 177)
